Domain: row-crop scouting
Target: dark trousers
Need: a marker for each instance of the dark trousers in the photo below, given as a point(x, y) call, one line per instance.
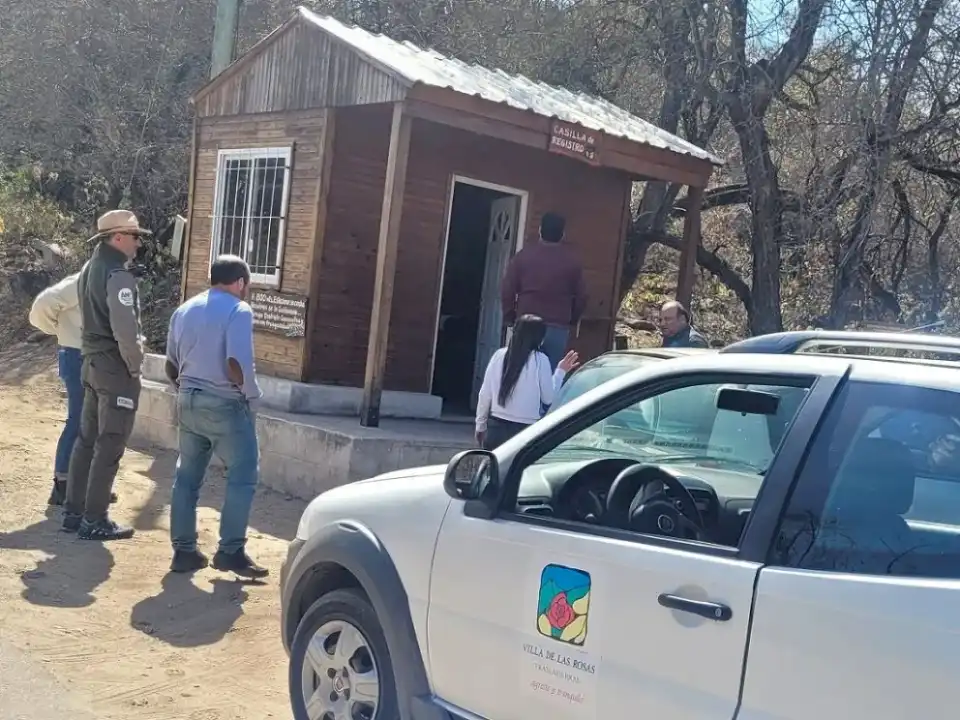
point(499, 431)
point(555, 344)
point(110, 400)
point(70, 368)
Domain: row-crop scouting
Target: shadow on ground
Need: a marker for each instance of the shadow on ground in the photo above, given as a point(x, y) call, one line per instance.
point(185, 614)
point(272, 514)
point(24, 361)
point(72, 571)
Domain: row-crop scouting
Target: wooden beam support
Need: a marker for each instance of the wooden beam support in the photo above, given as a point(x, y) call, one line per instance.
point(390, 216)
point(691, 241)
point(191, 190)
point(478, 124)
point(649, 169)
point(528, 128)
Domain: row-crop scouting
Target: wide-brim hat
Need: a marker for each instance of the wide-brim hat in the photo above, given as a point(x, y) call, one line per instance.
point(123, 222)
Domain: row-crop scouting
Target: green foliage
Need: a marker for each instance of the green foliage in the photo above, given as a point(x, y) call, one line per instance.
point(28, 217)
point(95, 114)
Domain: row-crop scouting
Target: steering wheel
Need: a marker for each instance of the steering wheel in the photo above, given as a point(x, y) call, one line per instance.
point(576, 500)
point(638, 501)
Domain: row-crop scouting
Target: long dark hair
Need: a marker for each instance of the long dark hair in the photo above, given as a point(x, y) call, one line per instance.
point(528, 334)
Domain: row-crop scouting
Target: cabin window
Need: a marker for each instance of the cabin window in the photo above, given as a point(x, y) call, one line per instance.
point(250, 209)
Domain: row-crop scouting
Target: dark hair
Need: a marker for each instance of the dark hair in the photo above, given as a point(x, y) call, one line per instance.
point(227, 269)
point(528, 334)
point(552, 227)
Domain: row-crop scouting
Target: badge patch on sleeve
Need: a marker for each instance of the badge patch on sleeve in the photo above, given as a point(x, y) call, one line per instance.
point(125, 296)
point(125, 403)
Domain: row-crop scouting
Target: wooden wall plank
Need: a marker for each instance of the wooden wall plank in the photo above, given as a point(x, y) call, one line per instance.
point(323, 194)
point(591, 198)
point(275, 355)
point(299, 68)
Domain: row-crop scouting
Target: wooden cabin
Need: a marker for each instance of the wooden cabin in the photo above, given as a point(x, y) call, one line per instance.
point(378, 190)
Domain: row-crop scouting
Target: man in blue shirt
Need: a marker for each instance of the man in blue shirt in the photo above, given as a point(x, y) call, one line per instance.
point(210, 361)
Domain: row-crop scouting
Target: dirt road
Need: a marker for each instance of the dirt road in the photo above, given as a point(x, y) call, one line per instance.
point(108, 622)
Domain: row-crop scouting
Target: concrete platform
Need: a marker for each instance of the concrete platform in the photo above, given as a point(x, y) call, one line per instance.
point(304, 455)
point(308, 399)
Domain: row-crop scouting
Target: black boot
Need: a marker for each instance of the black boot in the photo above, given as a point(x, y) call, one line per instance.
point(187, 561)
point(240, 563)
point(58, 494)
point(71, 522)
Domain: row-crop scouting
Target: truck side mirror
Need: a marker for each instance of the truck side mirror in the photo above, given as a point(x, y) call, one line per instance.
point(474, 476)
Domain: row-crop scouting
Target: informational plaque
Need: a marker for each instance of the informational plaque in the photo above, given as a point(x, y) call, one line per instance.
point(575, 141)
point(279, 313)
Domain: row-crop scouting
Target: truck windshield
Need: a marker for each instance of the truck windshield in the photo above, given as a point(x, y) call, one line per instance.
point(596, 373)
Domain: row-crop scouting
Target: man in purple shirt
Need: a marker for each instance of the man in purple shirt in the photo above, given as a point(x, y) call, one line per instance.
point(546, 279)
point(210, 361)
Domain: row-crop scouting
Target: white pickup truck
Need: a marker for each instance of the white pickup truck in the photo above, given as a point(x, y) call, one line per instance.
point(714, 537)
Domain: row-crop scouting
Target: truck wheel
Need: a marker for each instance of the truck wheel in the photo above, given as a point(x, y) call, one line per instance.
point(340, 667)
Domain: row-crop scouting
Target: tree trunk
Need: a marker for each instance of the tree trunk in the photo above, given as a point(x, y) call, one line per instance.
point(879, 147)
point(766, 207)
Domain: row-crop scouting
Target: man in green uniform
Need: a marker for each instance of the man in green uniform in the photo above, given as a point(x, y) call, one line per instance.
point(112, 350)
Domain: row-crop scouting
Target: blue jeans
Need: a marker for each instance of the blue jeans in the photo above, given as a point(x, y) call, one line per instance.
point(70, 363)
point(555, 344)
point(211, 424)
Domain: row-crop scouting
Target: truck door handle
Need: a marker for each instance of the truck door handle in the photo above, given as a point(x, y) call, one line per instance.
point(708, 610)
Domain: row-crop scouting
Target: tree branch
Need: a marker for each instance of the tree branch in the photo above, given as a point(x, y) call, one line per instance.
point(735, 194)
point(713, 264)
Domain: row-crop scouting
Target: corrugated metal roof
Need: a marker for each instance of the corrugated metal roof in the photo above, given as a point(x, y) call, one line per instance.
point(429, 67)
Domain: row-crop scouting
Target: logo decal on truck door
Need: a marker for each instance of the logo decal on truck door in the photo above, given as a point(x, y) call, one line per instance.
point(564, 604)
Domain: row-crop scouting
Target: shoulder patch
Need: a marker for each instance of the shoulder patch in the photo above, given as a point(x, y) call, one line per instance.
point(125, 296)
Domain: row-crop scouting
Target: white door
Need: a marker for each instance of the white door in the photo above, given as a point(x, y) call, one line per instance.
point(856, 618)
point(533, 618)
point(489, 653)
point(501, 241)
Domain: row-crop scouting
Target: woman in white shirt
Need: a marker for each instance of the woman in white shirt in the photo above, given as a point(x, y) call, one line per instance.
point(518, 386)
point(56, 311)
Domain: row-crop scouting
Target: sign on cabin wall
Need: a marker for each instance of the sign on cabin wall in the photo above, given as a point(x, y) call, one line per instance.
point(279, 313)
point(574, 141)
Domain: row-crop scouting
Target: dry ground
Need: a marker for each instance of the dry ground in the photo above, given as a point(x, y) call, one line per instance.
point(124, 636)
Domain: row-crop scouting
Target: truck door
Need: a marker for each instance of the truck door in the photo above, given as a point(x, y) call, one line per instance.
point(855, 617)
point(535, 616)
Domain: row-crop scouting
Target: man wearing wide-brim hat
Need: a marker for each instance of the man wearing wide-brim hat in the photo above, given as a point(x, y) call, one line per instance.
point(112, 349)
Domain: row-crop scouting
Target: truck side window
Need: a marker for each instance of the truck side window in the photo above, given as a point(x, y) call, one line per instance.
point(879, 493)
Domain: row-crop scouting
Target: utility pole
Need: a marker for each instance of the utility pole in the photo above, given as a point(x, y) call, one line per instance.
point(225, 30)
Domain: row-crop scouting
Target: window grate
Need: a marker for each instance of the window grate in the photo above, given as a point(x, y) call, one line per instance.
point(250, 209)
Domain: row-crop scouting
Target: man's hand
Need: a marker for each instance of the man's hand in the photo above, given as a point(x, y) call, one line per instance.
point(234, 372)
point(173, 374)
point(481, 437)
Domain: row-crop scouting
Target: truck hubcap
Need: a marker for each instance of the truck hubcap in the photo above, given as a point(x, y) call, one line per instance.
point(340, 675)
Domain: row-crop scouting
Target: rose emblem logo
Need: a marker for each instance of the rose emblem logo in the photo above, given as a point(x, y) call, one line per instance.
point(564, 604)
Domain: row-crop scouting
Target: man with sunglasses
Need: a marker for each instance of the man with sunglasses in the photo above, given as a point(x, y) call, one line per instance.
point(112, 349)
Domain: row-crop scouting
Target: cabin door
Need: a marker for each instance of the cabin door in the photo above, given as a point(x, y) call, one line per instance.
point(501, 242)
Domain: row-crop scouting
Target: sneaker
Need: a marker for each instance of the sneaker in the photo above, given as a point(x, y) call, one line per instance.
point(71, 522)
point(58, 494)
point(240, 563)
point(187, 561)
point(105, 529)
